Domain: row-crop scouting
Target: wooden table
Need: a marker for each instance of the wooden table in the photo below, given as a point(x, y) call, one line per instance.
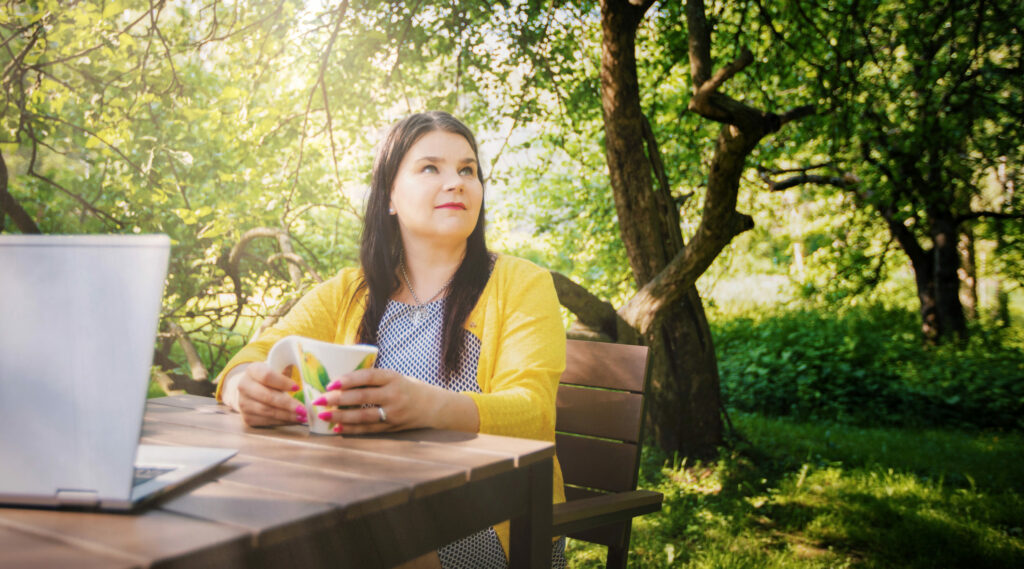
point(291, 499)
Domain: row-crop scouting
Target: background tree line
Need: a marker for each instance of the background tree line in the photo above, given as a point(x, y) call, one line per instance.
point(639, 141)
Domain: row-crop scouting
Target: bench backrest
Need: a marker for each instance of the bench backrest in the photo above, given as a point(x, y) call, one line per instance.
point(600, 417)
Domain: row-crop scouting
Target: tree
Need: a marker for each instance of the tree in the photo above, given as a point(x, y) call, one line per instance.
point(924, 100)
point(666, 311)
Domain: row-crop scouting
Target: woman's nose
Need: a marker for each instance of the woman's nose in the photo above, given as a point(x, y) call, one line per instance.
point(453, 182)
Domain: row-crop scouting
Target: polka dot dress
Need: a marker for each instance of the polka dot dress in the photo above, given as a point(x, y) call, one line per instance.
point(409, 342)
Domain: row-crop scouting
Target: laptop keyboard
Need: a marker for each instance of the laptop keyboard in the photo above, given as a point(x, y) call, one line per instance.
point(145, 474)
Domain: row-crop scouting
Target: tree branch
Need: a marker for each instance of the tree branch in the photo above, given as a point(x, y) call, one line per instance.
point(654, 155)
point(324, 58)
point(11, 207)
point(724, 74)
point(845, 181)
point(796, 114)
point(988, 214)
point(699, 43)
point(84, 203)
point(591, 311)
point(195, 363)
point(642, 310)
point(298, 261)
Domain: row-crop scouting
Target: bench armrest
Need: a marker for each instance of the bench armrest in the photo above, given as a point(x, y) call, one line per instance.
point(597, 511)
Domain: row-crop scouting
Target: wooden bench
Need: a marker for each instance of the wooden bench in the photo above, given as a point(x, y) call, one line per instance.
point(599, 431)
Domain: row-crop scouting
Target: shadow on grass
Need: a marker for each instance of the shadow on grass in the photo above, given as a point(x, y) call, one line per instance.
point(803, 495)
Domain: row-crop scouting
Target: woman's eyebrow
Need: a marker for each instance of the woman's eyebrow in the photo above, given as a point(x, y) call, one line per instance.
point(440, 159)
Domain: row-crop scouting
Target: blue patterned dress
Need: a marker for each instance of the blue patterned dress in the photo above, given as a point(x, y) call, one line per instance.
point(411, 345)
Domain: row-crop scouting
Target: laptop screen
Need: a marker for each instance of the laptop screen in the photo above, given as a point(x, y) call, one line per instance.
point(78, 318)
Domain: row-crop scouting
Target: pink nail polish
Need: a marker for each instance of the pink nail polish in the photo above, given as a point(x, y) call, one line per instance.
point(334, 385)
point(326, 415)
point(337, 428)
point(322, 400)
point(294, 387)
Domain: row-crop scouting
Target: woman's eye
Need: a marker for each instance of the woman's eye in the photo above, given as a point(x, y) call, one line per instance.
point(430, 168)
point(467, 171)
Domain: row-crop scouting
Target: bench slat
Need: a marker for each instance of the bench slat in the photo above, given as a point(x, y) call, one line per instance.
point(599, 413)
point(612, 366)
point(595, 463)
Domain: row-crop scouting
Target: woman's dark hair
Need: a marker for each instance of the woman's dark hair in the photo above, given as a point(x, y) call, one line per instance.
point(381, 248)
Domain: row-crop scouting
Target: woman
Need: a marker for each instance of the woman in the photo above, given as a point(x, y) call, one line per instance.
point(467, 340)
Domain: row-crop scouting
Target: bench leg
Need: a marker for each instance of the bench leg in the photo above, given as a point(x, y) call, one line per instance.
point(617, 557)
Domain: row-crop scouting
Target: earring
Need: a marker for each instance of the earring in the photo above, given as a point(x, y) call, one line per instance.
point(391, 211)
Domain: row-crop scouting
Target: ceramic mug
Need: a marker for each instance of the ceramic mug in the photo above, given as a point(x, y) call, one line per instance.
point(314, 365)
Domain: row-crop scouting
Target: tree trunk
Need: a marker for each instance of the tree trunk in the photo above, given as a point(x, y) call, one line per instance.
point(685, 396)
point(935, 274)
point(968, 274)
point(924, 278)
point(1002, 296)
point(650, 241)
point(683, 407)
point(947, 283)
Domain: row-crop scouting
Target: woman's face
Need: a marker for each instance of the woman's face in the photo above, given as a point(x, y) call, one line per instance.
point(437, 194)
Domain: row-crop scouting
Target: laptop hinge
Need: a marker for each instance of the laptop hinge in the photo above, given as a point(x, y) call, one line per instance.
point(84, 498)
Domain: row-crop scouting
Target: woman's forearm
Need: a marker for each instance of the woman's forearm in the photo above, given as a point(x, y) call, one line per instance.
point(455, 411)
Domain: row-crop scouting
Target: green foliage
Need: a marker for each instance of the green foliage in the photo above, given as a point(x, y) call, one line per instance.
point(866, 365)
point(206, 121)
point(816, 495)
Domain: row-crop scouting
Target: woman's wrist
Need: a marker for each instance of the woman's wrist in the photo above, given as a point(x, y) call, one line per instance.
point(455, 411)
point(229, 389)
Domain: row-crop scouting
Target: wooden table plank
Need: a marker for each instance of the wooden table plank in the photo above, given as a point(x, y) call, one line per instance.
point(153, 538)
point(270, 517)
point(402, 444)
point(352, 497)
point(27, 551)
point(417, 476)
point(520, 449)
point(524, 451)
point(219, 418)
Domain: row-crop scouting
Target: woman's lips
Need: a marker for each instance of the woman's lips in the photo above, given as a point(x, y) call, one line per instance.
point(451, 205)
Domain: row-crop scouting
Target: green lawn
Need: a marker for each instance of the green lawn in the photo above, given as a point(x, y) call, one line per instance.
point(809, 495)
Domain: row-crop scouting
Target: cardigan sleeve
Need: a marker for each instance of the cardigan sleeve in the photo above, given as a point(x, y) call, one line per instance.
point(528, 360)
point(315, 315)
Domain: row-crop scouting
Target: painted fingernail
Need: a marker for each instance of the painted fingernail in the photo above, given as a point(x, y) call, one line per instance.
point(301, 410)
point(337, 428)
point(334, 385)
point(294, 387)
point(326, 415)
point(322, 400)
point(300, 417)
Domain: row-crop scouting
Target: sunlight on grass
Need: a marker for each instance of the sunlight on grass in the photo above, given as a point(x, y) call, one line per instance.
point(811, 495)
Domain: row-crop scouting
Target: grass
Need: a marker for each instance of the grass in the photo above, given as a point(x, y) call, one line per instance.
point(808, 495)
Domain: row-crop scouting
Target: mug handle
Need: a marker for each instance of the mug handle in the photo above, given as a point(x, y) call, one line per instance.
point(284, 355)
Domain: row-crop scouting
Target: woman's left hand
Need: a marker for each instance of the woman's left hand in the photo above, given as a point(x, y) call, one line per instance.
point(407, 403)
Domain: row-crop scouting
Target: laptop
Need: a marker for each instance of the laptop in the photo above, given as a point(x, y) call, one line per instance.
point(78, 321)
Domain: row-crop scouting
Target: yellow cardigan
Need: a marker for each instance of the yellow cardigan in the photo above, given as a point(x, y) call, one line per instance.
point(522, 351)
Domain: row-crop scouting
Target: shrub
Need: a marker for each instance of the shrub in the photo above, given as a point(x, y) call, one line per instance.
point(867, 365)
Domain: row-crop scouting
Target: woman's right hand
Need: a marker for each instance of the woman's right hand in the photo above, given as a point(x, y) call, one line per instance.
point(262, 396)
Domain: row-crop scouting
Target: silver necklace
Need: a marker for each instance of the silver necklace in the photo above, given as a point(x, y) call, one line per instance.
point(420, 310)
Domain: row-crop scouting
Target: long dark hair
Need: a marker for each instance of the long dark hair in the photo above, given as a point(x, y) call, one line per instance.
point(381, 248)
